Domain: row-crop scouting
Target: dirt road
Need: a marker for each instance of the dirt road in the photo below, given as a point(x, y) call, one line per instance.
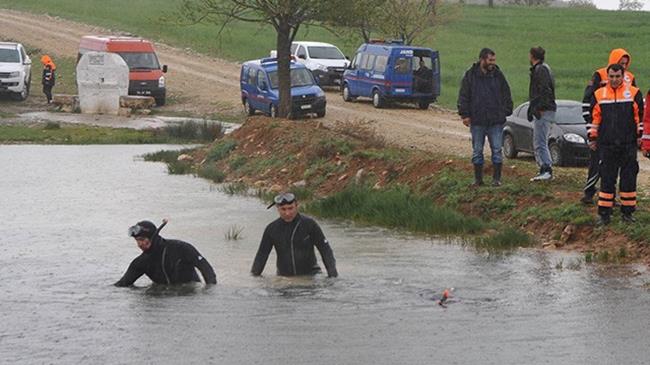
point(203, 84)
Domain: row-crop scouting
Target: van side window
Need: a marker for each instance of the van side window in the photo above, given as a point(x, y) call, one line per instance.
point(402, 65)
point(380, 64)
point(301, 52)
point(370, 61)
point(363, 60)
point(251, 76)
point(356, 61)
point(261, 80)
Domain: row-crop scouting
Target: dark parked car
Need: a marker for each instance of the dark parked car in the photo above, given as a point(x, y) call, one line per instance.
point(567, 139)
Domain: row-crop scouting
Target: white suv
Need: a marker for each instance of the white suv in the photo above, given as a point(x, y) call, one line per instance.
point(325, 60)
point(15, 70)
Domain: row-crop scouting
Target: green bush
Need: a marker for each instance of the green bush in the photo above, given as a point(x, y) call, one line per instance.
point(221, 150)
point(398, 208)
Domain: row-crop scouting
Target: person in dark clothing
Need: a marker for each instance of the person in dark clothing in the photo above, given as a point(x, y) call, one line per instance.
point(616, 132)
point(541, 110)
point(423, 77)
point(598, 80)
point(49, 77)
point(484, 101)
point(165, 261)
point(293, 236)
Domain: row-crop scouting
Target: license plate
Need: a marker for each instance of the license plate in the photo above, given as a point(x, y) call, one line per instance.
point(143, 92)
point(303, 107)
point(400, 90)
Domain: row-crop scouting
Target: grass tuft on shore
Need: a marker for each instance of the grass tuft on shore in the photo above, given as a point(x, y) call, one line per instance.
point(395, 208)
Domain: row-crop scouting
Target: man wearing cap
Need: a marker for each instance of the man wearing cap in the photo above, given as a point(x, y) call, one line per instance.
point(293, 236)
point(164, 261)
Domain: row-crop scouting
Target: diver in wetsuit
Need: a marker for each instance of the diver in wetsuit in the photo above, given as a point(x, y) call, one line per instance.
point(293, 236)
point(165, 261)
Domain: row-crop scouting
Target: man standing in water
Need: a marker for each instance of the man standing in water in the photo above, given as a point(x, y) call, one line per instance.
point(293, 236)
point(164, 261)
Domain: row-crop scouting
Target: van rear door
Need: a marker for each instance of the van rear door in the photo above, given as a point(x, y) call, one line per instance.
point(401, 78)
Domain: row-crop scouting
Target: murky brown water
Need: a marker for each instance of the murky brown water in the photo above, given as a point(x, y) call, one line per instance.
point(64, 211)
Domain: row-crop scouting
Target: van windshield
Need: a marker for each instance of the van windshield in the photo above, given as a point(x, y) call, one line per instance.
point(326, 53)
point(9, 55)
point(140, 60)
point(299, 77)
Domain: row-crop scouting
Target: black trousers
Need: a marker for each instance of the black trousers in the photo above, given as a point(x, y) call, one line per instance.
point(618, 162)
point(47, 90)
point(593, 174)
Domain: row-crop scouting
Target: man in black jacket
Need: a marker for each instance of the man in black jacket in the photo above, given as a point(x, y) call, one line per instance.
point(541, 109)
point(165, 261)
point(293, 236)
point(484, 101)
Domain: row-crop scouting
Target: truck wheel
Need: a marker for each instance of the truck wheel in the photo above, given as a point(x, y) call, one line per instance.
point(509, 149)
point(273, 111)
point(423, 104)
point(320, 113)
point(377, 99)
point(345, 92)
point(160, 101)
point(248, 109)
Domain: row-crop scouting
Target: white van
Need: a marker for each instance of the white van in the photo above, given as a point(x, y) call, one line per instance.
point(15, 70)
point(325, 60)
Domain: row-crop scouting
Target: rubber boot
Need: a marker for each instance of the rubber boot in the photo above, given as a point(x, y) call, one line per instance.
point(478, 175)
point(496, 174)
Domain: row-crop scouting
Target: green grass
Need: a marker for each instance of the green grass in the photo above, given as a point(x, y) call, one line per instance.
point(578, 41)
point(68, 134)
point(221, 150)
point(55, 133)
point(396, 208)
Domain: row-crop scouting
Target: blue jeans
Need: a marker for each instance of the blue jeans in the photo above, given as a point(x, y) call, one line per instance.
point(494, 135)
point(541, 128)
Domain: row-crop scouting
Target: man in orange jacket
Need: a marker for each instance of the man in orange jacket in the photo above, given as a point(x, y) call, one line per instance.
point(598, 80)
point(617, 126)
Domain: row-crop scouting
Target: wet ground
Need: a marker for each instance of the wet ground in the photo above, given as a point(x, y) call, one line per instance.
point(64, 213)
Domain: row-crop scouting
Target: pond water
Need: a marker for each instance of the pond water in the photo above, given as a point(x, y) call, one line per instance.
point(65, 211)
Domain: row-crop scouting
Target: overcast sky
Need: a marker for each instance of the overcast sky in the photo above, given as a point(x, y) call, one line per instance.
point(613, 4)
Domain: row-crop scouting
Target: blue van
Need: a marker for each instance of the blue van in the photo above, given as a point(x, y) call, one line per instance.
point(259, 89)
point(393, 71)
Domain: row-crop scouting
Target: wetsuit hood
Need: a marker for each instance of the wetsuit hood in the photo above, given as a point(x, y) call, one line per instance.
point(616, 55)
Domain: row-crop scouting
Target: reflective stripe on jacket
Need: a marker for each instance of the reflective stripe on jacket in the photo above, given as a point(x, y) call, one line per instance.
point(617, 115)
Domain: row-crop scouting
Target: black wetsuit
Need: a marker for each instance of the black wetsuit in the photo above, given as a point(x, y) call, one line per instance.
point(169, 262)
point(294, 247)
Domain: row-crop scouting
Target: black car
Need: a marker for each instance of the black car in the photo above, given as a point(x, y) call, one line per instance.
point(567, 140)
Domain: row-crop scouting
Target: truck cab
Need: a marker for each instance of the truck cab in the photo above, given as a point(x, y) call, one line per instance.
point(259, 89)
point(324, 60)
point(15, 70)
point(146, 75)
point(393, 71)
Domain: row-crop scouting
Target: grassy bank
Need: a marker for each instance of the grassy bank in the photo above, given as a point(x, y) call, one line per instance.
point(56, 133)
point(578, 40)
point(348, 172)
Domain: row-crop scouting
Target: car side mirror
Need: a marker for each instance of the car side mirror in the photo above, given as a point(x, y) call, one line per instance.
point(302, 56)
point(164, 69)
point(27, 62)
point(263, 87)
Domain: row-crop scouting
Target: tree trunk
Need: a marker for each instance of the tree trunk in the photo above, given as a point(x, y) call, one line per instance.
point(491, 3)
point(284, 60)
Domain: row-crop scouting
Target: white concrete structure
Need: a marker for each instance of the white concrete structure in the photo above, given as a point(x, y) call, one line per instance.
point(101, 78)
